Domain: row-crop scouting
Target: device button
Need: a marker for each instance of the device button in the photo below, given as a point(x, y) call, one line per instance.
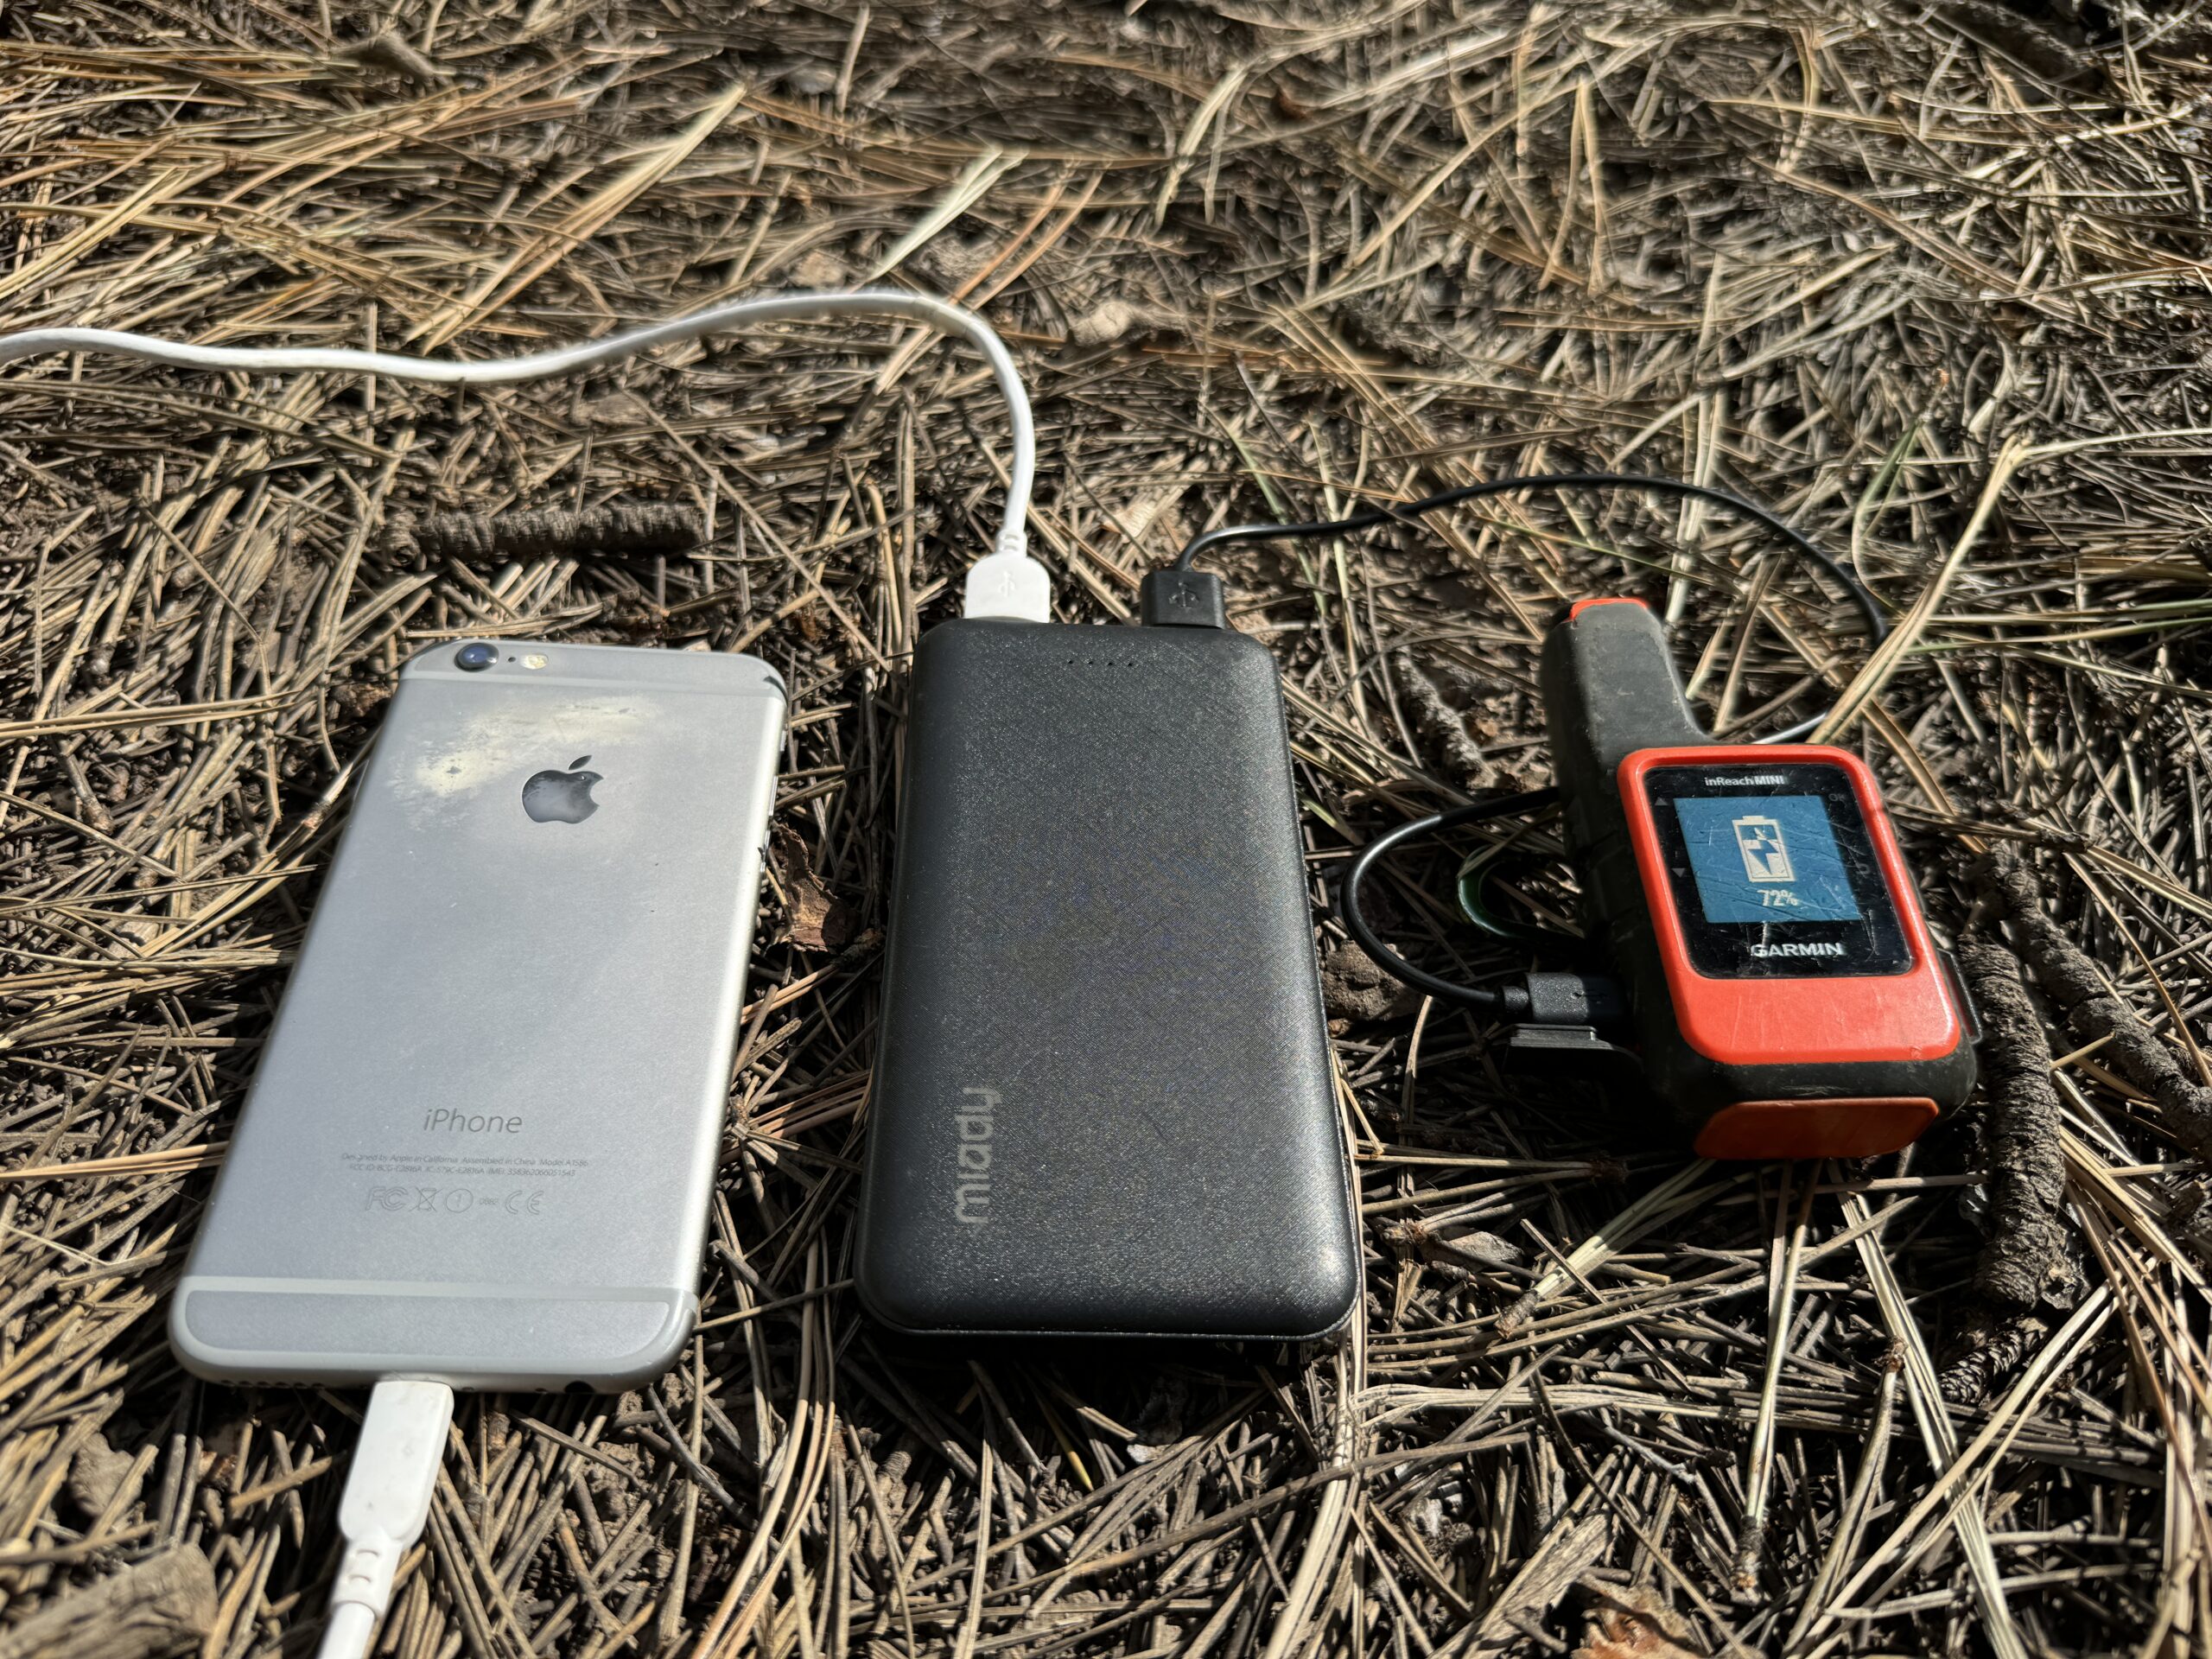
point(1814, 1129)
point(1582, 604)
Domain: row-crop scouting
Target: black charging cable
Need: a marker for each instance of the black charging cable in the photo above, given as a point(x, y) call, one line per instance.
point(1184, 597)
point(1870, 611)
point(1510, 1000)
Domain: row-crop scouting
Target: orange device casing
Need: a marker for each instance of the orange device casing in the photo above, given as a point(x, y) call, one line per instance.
point(1907, 1016)
point(1818, 1036)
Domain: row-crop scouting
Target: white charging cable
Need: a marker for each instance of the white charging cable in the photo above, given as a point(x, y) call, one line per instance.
point(388, 1492)
point(1006, 582)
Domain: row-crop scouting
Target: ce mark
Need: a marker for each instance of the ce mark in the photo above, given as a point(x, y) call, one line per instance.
point(522, 1201)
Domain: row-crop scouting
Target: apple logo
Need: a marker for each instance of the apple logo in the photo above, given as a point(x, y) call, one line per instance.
point(552, 797)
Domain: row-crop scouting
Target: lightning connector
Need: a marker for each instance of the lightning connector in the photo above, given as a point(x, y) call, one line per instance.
point(388, 1492)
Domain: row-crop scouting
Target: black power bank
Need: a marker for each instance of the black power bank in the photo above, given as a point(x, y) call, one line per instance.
point(1103, 1101)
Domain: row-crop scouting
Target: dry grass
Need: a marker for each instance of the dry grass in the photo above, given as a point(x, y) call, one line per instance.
point(1950, 315)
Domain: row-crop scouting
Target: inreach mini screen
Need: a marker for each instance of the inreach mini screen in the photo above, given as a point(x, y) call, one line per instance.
point(1766, 858)
point(1772, 873)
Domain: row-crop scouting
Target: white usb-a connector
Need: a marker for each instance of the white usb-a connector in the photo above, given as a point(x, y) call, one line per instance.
point(1008, 583)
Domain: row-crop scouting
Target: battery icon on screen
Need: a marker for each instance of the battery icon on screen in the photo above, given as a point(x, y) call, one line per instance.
point(1766, 855)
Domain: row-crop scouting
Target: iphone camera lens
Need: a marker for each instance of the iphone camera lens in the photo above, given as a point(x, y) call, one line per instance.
point(472, 658)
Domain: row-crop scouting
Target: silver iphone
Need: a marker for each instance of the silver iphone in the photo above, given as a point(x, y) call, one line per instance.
point(480, 1143)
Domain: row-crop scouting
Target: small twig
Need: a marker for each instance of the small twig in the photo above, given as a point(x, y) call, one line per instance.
point(625, 528)
point(1751, 1541)
point(2094, 1013)
point(2026, 1171)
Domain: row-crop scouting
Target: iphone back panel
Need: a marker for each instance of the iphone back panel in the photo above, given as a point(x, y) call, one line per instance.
point(480, 1140)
